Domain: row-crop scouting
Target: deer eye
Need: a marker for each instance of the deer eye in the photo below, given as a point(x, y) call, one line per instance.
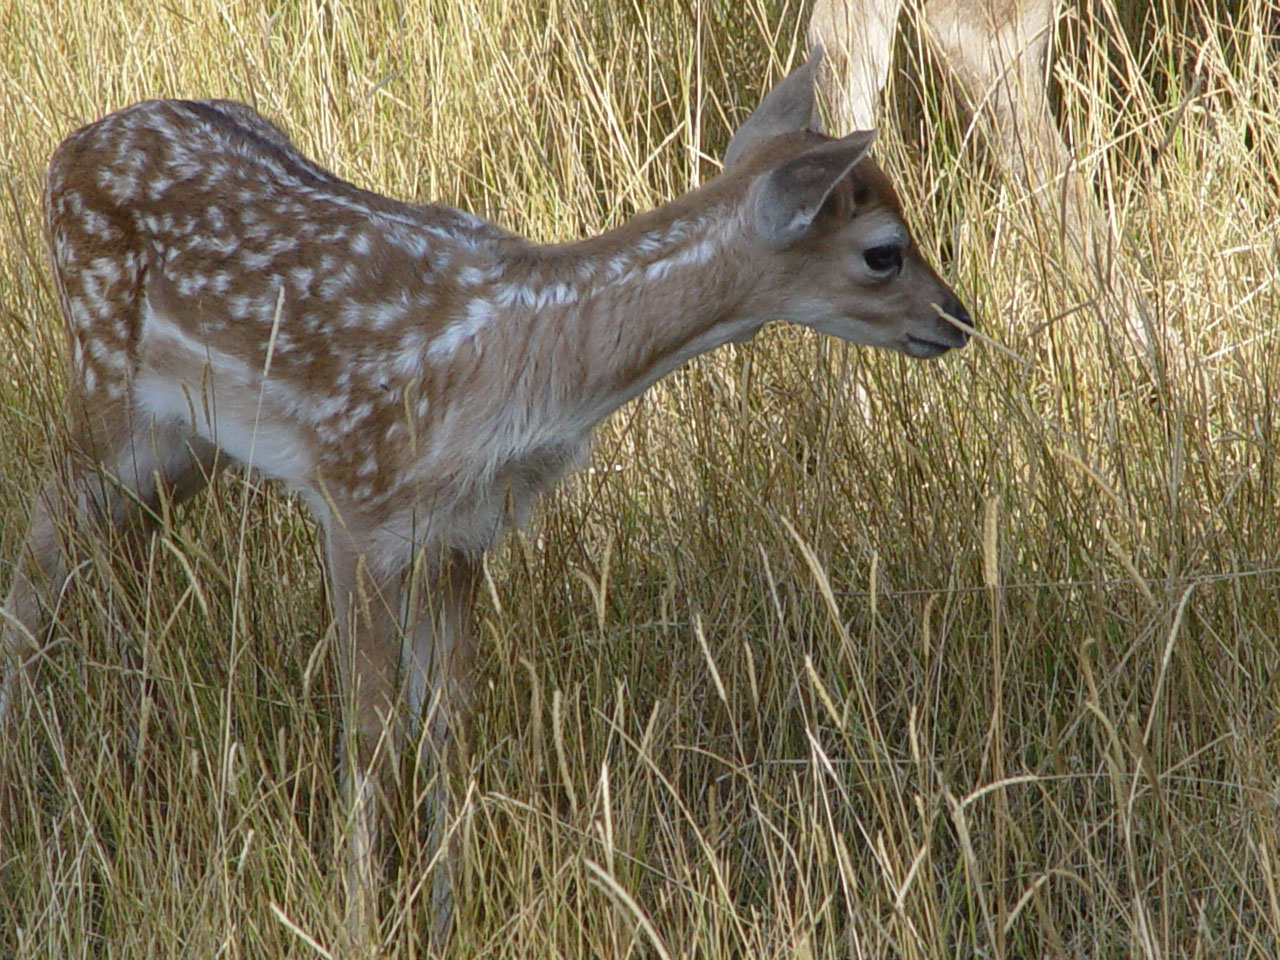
point(885, 258)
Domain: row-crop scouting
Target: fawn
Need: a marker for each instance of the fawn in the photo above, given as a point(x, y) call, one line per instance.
point(416, 374)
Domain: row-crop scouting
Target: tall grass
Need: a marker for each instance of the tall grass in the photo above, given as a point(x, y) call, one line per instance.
point(828, 653)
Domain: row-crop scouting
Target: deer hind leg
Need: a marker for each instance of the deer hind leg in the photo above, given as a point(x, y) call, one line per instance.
point(106, 494)
point(117, 464)
point(858, 38)
point(997, 52)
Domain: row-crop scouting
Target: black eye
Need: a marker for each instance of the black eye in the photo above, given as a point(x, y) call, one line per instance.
point(886, 258)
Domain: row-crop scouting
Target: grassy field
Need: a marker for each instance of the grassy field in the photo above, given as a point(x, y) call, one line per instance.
point(828, 653)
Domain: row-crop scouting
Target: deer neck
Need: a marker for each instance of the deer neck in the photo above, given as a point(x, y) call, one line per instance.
point(589, 325)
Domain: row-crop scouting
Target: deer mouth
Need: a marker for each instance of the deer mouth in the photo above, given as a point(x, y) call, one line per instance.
point(923, 349)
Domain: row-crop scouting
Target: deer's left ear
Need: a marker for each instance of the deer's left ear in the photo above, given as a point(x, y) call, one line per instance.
point(788, 198)
point(787, 108)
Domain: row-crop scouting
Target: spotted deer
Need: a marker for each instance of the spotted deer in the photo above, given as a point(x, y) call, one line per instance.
point(416, 374)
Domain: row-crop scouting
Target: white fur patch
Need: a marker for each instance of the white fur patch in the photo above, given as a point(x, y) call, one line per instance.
point(222, 400)
point(479, 314)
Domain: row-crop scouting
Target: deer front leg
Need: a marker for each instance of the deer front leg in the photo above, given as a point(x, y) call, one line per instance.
point(406, 660)
point(438, 656)
point(366, 613)
point(438, 659)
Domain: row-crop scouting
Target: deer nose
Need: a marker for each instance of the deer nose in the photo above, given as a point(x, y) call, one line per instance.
point(957, 332)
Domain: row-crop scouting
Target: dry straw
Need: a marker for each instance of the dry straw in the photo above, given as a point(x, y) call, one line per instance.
point(752, 757)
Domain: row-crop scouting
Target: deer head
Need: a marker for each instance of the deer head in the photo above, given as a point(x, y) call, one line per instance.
point(831, 233)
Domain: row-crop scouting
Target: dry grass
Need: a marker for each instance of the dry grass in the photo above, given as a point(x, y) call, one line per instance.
point(983, 664)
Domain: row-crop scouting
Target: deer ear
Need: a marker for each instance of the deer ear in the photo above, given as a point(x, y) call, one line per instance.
point(787, 108)
point(788, 198)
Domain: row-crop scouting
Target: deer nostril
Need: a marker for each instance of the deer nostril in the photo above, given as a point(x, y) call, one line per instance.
point(956, 309)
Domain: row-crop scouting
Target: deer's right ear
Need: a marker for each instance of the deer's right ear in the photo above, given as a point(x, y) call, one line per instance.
point(787, 108)
point(787, 199)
